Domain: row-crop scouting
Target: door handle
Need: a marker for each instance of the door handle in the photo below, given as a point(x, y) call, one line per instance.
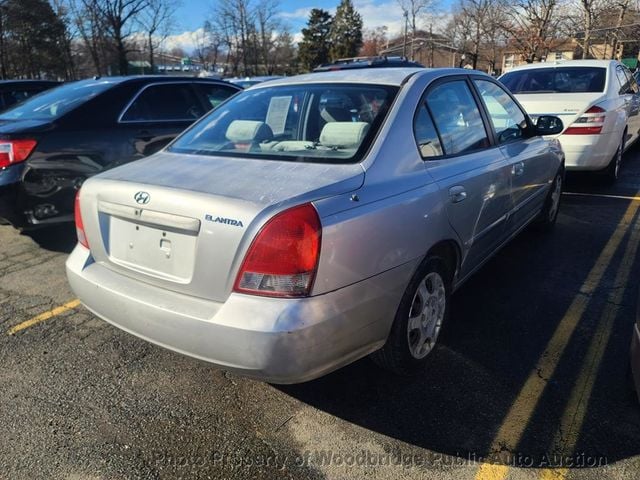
point(457, 194)
point(518, 169)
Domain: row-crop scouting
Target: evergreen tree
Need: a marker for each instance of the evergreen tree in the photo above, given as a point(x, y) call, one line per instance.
point(31, 40)
point(346, 31)
point(313, 50)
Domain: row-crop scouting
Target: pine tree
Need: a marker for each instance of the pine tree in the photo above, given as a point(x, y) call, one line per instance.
point(313, 50)
point(346, 31)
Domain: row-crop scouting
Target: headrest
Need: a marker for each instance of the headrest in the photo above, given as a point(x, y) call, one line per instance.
point(248, 131)
point(343, 134)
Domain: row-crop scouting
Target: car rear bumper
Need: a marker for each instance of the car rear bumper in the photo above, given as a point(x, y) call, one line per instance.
point(272, 339)
point(635, 357)
point(588, 152)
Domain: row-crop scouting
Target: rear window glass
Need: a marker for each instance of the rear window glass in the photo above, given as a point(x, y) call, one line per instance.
point(556, 80)
point(54, 103)
point(326, 123)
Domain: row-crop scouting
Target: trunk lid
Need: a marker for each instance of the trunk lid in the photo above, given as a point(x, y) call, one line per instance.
point(11, 127)
point(567, 106)
point(184, 222)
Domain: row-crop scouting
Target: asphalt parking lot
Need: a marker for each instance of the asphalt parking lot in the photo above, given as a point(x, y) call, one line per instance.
point(529, 380)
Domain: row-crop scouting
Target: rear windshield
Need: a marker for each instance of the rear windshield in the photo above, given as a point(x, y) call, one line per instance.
point(556, 80)
point(54, 103)
point(326, 123)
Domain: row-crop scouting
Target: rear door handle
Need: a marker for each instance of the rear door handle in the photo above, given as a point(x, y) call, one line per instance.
point(518, 169)
point(457, 194)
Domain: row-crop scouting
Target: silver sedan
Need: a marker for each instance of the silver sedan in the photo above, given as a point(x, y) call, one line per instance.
point(313, 220)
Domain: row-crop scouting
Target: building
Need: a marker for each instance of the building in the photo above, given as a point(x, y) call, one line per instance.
point(431, 50)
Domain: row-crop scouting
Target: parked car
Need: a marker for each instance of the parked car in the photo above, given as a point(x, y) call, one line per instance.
point(368, 62)
point(597, 101)
point(16, 91)
point(246, 82)
point(635, 354)
point(52, 142)
point(316, 219)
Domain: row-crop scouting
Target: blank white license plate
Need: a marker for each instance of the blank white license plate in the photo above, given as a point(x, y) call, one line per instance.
point(152, 250)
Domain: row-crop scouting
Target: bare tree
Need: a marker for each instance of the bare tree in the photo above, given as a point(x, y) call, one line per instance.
point(236, 19)
point(157, 21)
point(119, 18)
point(266, 14)
point(623, 7)
point(590, 10)
point(531, 25)
point(414, 10)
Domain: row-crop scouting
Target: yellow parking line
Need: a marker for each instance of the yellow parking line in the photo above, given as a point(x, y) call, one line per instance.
point(44, 316)
point(603, 195)
point(523, 407)
point(566, 436)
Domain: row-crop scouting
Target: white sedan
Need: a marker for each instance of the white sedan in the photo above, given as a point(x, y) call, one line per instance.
point(597, 101)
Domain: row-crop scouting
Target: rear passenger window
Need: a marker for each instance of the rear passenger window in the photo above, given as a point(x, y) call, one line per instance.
point(457, 118)
point(164, 102)
point(215, 94)
point(426, 135)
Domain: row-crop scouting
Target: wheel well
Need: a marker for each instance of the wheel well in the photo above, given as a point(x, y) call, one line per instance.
point(449, 250)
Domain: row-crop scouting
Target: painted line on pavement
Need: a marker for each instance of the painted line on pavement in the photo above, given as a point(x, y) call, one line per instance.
point(566, 436)
point(517, 419)
point(44, 316)
point(603, 195)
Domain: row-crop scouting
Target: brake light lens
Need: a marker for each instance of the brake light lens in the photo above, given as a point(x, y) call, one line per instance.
point(15, 151)
point(589, 123)
point(82, 236)
point(283, 259)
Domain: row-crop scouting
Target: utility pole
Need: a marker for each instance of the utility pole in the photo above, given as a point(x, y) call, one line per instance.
point(406, 27)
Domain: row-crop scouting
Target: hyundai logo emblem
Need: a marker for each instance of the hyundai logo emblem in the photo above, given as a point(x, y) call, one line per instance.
point(142, 198)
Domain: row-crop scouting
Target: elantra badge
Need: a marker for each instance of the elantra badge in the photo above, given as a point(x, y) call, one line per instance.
point(142, 198)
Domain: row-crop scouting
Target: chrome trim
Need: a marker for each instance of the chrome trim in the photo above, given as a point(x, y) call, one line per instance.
point(150, 217)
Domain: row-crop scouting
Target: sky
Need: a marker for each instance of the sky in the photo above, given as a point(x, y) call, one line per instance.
point(375, 13)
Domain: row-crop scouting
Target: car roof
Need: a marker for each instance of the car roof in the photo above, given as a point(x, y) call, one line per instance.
point(374, 76)
point(564, 63)
point(368, 62)
point(145, 79)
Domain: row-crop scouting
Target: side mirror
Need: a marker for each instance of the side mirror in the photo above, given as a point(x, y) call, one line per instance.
point(548, 125)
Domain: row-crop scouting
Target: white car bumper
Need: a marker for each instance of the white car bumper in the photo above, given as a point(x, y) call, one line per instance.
point(589, 152)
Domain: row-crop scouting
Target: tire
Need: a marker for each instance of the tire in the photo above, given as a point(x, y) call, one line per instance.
point(423, 310)
point(612, 172)
point(549, 213)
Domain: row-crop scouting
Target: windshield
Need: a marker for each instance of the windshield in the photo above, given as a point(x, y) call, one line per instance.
point(332, 123)
point(54, 103)
point(556, 80)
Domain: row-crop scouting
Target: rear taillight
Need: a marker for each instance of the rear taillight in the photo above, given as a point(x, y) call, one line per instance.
point(15, 151)
point(82, 236)
point(589, 123)
point(283, 258)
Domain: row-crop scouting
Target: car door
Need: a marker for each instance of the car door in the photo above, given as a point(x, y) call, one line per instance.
point(527, 154)
point(472, 174)
point(157, 114)
point(631, 95)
